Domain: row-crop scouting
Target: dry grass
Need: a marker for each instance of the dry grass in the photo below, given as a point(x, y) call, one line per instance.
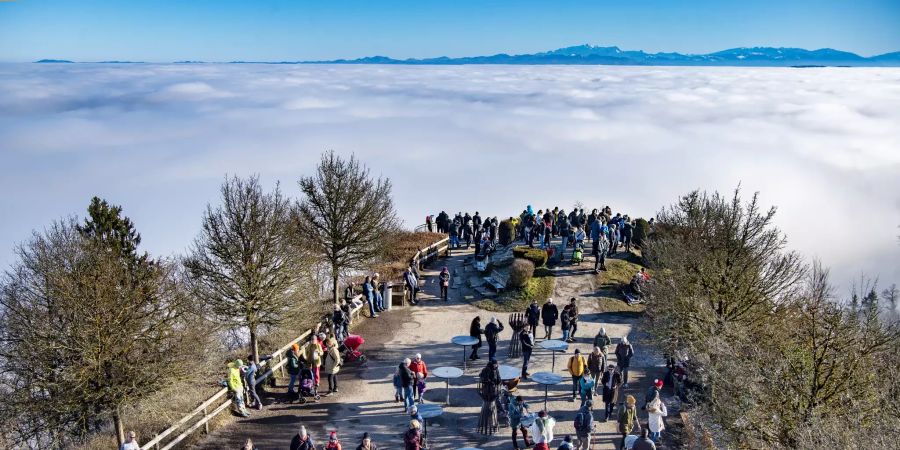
point(617, 276)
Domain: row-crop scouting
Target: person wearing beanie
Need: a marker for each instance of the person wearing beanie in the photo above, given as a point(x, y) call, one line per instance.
point(492, 334)
point(602, 340)
point(236, 387)
point(628, 418)
point(332, 364)
point(333, 442)
point(312, 356)
point(596, 366)
point(549, 315)
point(412, 438)
point(366, 443)
point(542, 430)
point(567, 444)
point(652, 393)
point(420, 372)
point(624, 353)
point(577, 368)
point(302, 441)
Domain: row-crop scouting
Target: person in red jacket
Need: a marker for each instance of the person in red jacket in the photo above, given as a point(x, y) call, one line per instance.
point(420, 373)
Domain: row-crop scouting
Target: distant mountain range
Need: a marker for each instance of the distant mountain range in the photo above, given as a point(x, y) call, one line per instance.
point(594, 55)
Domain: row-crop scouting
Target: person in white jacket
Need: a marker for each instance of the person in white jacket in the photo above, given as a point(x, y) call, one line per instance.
point(542, 430)
point(656, 410)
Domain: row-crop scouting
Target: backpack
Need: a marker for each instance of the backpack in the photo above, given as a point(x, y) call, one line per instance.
point(580, 422)
point(625, 420)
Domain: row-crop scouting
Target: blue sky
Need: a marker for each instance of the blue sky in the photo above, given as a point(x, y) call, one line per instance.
point(224, 30)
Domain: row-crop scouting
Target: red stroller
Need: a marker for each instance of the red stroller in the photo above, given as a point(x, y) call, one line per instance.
point(350, 348)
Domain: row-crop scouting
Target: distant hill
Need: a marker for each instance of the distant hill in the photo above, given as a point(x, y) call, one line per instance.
point(595, 55)
point(45, 61)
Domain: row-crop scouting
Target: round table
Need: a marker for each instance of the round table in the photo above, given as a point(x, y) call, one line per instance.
point(465, 341)
point(468, 448)
point(554, 346)
point(509, 372)
point(547, 379)
point(429, 411)
point(447, 373)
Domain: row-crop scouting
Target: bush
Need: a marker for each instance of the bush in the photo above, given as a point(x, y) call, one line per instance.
point(520, 272)
point(641, 231)
point(535, 255)
point(507, 232)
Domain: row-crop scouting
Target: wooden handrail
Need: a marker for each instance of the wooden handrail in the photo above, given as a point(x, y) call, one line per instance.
point(427, 251)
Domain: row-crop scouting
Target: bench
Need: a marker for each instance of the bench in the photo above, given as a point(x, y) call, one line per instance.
point(497, 280)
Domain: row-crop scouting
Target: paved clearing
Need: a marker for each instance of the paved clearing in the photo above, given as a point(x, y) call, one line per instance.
point(366, 398)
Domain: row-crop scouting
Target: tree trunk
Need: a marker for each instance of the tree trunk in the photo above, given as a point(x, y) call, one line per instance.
point(120, 428)
point(334, 285)
point(254, 344)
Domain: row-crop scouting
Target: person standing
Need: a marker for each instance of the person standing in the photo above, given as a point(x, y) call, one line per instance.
point(601, 248)
point(339, 322)
point(312, 356)
point(517, 410)
point(491, 334)
point(236, 388)
point(656, 410)
point(333, 442)
point(565, 323)
point(533, 315)
point(420, 372)
point(250, 375)
point(549, 314)
point(527, 341)
point(366, 443)
point(652, 393)
point(542, 430)
point(406, 383)
point(369, 295)
point(444, 278)
point(562, 224)
point(475, 331)
point(624, 353)
point(412, 284)
point(332, 364)
point(131, 442)
point(584, 425)
point(293, 367)
point(628, 418)
point(577, 367)
point(302, 441)
point(611, 381)
point(644, 442)
point(573, 319)
point(596, 365)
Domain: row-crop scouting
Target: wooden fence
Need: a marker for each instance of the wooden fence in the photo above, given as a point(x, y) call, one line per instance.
point(220, 402)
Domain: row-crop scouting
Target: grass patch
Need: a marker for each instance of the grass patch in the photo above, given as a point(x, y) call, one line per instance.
point(540, 287)
point(617, 276)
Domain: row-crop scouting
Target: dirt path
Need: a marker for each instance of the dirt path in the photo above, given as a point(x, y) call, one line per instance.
point(366, 401)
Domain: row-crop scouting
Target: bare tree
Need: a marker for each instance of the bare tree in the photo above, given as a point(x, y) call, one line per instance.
point(243, 266)
point(87, 326)
point(345, 215)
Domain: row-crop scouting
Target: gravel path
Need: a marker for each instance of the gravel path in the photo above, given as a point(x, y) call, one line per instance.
point(366, 401)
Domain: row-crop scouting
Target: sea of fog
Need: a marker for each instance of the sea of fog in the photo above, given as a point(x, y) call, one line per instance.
point(822, 144)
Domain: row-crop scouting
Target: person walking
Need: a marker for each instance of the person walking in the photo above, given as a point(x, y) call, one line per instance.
point(332, 362)
point(131, 442)
point(248, 445)
point(444, 278)
point(475, 331)
point(586, 387)
point(366, 443)
point(656, 410)
point(333, 442)
point(491, 334)
point(294, 365)
point(339, 322)
point(565, 323)
point(406, 383)
point(527, 341)
point(516, 411)
point(611, 381)
point(549, 315)
point(596, 365)
point(412, 438)
point(577, 367)
point(542, 430)
point(584, 425)
point(624, 353)
point(652, 393)
point(250, 376)
point(302, 441)
point(420, 372)
point(628, 418)
point(602, 340)
point(601, 249)
point(533, 315)
point(412, 284)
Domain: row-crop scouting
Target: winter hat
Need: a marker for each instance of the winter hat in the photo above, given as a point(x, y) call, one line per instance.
point(238, 363)
point(332, 436)
point(542, 413)
point(658, 383)
point(567, 438)
point(365, 435)
point(630, 400)
point(296, 347)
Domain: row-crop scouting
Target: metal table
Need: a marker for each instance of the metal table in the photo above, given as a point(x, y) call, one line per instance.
point(465, 341)
point(509, 372)
point(554, 346)
point(547, 379)
point(429, 411)
point(447, 373)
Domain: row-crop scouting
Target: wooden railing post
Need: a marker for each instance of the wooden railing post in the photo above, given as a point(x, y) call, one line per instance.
point(206, 419)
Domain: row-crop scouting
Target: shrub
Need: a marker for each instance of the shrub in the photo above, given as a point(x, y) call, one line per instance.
point(535, 255)
point(641, 231)
point(507, 232)
point(520, 272)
